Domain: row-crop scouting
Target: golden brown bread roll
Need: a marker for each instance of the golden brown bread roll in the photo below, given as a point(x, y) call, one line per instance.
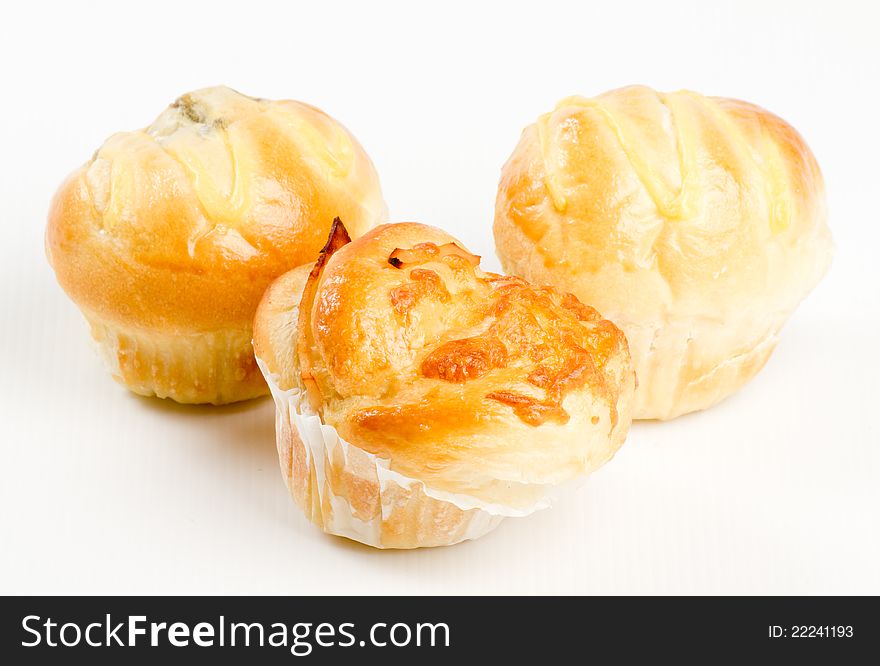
point(696, 224)
point(167, 238)
point(421, 399)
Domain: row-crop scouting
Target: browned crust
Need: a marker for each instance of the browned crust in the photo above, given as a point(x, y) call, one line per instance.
point(337, 238)
point(402, 257)
point(459, 361)
point(731, 230)
point(137, 246)
point(483, 387)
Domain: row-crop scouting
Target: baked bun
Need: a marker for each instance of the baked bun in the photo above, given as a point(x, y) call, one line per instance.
point(420, 399)
point(696, 224)
point(167, 238)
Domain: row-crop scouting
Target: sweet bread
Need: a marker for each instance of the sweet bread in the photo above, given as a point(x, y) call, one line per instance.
point(696, 224)
point(420, 399)
point(167, 238)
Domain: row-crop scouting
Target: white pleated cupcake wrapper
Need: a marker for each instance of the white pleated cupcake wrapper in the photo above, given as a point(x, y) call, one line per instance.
point(322, 443)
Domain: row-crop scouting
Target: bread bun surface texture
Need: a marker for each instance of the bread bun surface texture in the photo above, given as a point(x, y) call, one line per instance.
point(167, 238)
point(697, 224)
point(481, 390)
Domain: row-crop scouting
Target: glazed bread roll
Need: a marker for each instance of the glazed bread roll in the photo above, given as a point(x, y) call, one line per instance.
point(167, 238)
point(420, 399)
point(696, 224)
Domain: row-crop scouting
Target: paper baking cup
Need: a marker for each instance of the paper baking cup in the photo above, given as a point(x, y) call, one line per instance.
point(355, 494)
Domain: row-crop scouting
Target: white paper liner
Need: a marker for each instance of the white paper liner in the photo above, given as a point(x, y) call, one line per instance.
point(411, 514)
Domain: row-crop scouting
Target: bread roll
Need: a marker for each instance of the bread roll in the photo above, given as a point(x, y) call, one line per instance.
point(421, 399)
point(167, 238)
point(696, 224)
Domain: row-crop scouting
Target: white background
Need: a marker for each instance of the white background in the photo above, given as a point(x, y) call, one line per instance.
point(775, 491)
